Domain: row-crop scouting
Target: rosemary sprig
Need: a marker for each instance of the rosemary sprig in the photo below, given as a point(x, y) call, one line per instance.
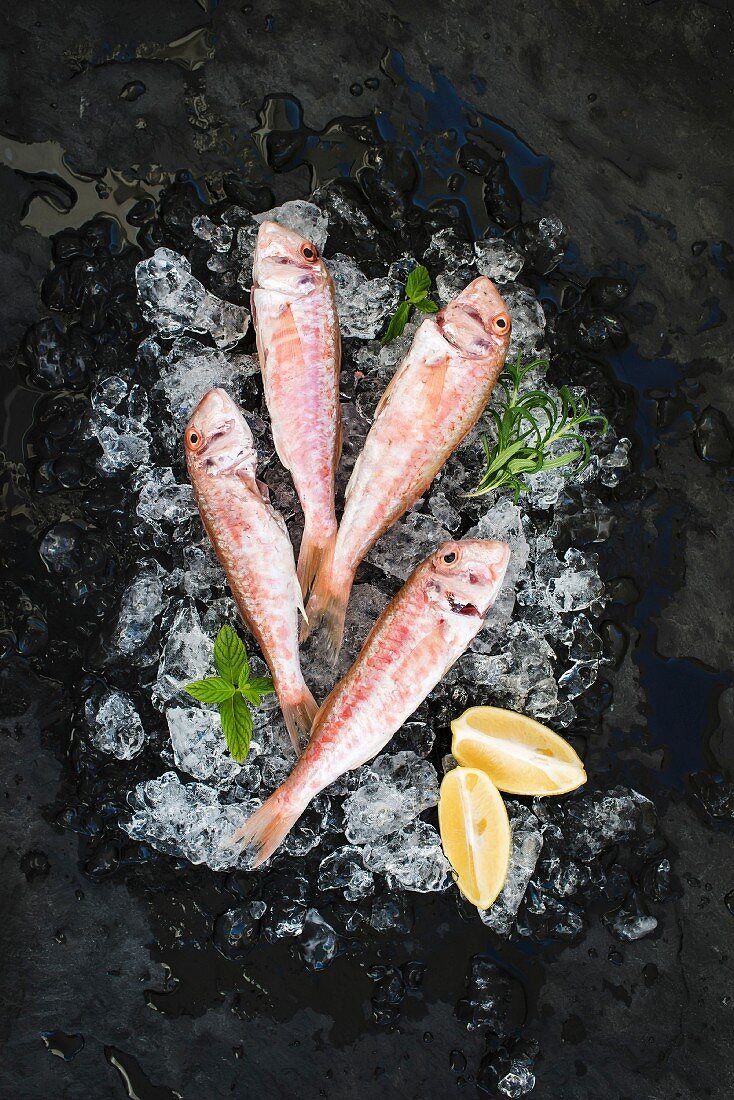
point(527, 428)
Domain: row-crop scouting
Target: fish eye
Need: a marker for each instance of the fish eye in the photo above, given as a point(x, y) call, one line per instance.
point(194, 439)
point(501, 324)
point(309, 252)
point(451, 557)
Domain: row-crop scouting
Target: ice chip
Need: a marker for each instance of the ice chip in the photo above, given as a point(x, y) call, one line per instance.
point(140, 606)
point(163, 503)
point(394, 789)
point(319, 942)
point(199, 747)
point(527, 841)
point(304, 217)
point(498, 260)
point(406, 544)
point(413, 858)
point(174, 301)
point(189, 369)
point(344, 870)
point(114, 724)
point(189, 820)
point(187, 654)
point(364, 305)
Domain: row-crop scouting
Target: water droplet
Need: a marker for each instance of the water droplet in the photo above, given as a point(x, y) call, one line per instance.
point(356, 89)
point(729, 901)
point(457, 1061)
point(133, 91)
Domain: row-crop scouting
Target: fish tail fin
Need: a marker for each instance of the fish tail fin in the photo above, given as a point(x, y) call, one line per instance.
point(266, 829)
point(327, 607)
point(315, 555)
point(298, 714)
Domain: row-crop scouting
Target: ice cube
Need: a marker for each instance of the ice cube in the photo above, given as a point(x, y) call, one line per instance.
point(114, 724)
point(163, 503)
point(498, 260)
point(174, 301)
point(413, 858)
point(408, 542)
point(189, 369)
point(518, 1082)
point(140, 606)
point(344, 870)
point(125, 445)
point(503, 521)
point(218, 236)
point(304, 217)
point(443, 512)
point(528, 322)
point(189, 820)
point(364, 305)
point(199, 746)
point(578, 585)
point(599, 819)
point(394, 789)
point(319, 944)
point(527, 841)
point(187, 654)
point(632, 921)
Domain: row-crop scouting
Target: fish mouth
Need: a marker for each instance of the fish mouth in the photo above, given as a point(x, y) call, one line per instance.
point(459, 608)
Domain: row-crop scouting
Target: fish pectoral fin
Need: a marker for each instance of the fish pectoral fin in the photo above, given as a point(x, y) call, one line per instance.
point(264, 490)
point(433, 384)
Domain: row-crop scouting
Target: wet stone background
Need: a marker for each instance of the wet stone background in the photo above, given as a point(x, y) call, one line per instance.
point(580, 157)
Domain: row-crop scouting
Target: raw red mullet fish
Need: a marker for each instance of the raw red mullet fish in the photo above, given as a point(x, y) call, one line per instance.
point(298, 343)
point(435, 397)
point(426, 627)
point(251, 541)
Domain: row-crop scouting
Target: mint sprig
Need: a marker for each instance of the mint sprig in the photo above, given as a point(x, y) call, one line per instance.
point(232, 690)
point(416, 295)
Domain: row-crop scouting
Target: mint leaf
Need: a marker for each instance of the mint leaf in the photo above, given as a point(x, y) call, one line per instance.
point(426, 306)
point(212, 690)
point(253, 690)
point(262, 684)
point(237, 726)
point(397, 323)
point(230, 656)
point(418, 284)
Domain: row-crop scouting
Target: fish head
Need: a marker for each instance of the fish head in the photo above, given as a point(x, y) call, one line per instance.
point(476, 323)
point(465, 576)
point(286, 262)
point(218, 439)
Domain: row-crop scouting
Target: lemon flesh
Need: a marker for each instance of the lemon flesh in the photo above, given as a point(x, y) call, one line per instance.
point(520, 755)
point(475, 833)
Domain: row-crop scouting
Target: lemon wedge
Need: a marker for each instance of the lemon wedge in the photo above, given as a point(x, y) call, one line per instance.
point(520, 755)
point(475, 833)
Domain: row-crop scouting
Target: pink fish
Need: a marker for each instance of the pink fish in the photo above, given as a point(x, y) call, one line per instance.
point(419, 635)
point(298, 343)
point(435, 397)
point(251, 541)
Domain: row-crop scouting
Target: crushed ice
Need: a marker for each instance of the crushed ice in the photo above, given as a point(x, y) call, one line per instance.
point(377, 811)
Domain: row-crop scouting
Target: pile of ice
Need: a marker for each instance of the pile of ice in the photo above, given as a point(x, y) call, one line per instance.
point(369, 832)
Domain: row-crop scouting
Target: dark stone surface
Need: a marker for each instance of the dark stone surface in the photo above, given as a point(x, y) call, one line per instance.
point(633, 103)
